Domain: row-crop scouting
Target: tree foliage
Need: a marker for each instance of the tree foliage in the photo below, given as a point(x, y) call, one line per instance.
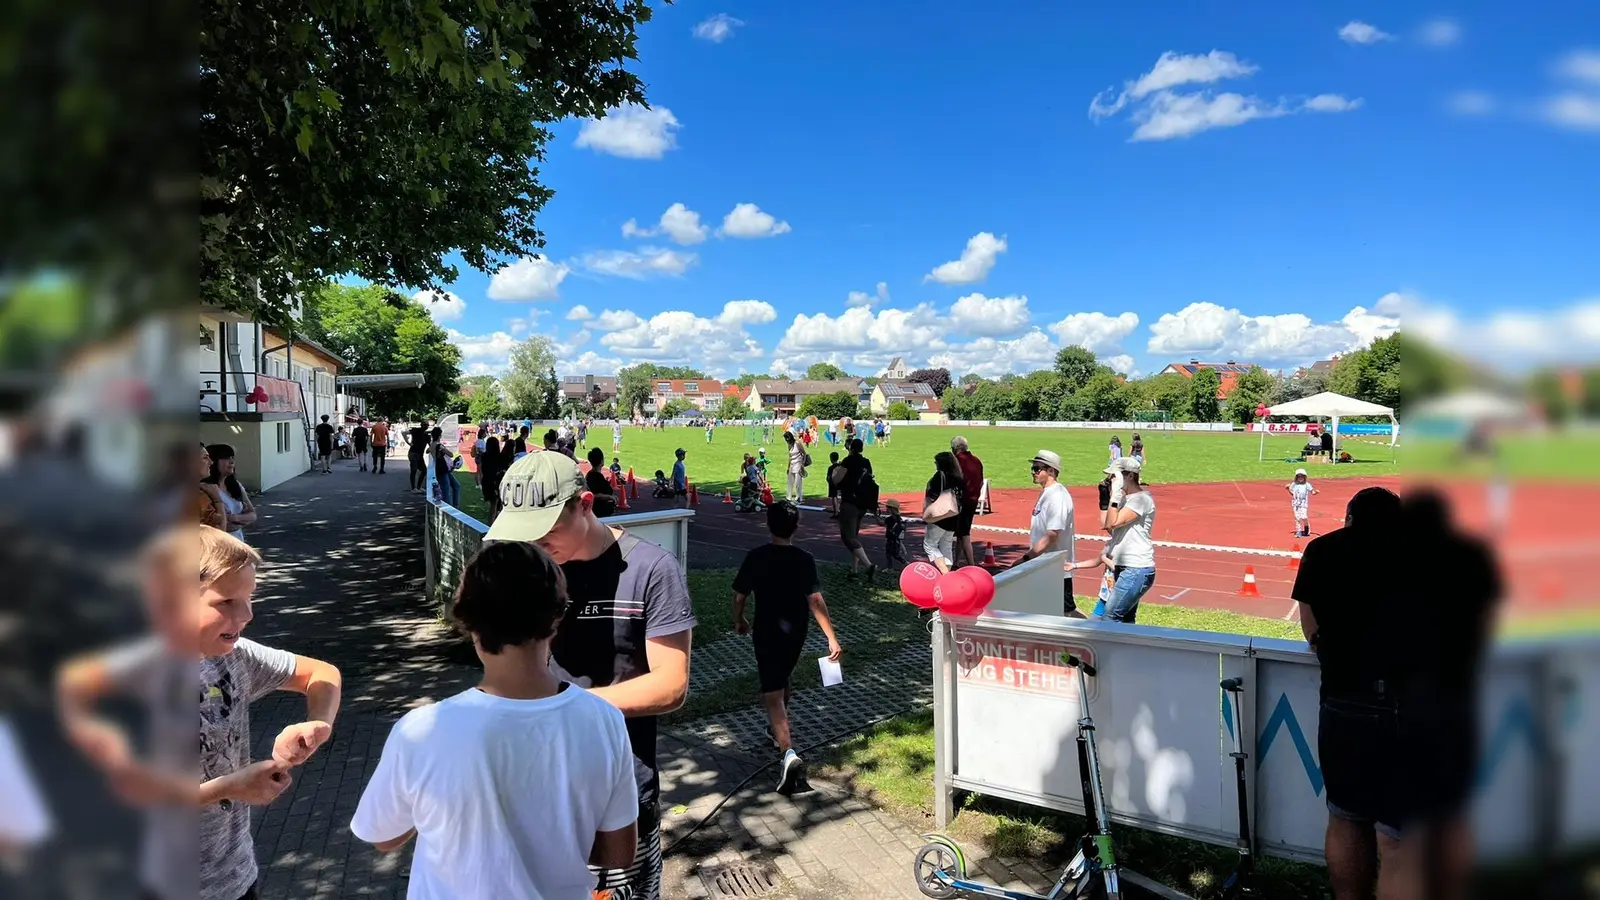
point(1252, 389)
point(1168, 393)
point(1203, 389)
point(1037, 396)
point(1373, 374)
point(1076, 365)
point(901, 411)
point(745, 380)
point(530, 384)
point(375, 137)
point(380, 332)
point(677, 406)
point(825, 372)
point(636, 383)
point(484, 404)
point(830, 406)
point(938, 379)
point(732, 406)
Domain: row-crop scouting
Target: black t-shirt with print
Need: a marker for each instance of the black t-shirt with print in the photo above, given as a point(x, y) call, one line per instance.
point(325, 437)
point(782, 578)
point(616, 606)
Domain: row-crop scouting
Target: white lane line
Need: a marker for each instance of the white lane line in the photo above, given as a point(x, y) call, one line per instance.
point(1293, 613)
point(1177, 595)
point(1176, 545)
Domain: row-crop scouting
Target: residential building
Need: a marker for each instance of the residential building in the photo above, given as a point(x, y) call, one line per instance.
point(702, 392)
point(1322, 367)
point(310, 365)
point(598, 389)
point(897, 370)
point(783, 397)
point(915, 393)
point(1228, 372)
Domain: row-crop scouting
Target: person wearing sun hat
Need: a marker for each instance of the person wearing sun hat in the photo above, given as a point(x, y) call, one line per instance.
point(627, 631)
point(1127, 513)
point(1050, 528)
point(1300, 491)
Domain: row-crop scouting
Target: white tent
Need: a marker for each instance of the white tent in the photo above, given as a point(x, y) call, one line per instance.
point(1471, 406)
point(1328, 405)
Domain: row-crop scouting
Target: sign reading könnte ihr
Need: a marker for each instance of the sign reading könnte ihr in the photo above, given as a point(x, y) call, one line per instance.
point(1011, 664)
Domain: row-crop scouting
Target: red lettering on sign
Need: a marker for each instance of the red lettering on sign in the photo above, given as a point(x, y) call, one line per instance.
point(1030, 666)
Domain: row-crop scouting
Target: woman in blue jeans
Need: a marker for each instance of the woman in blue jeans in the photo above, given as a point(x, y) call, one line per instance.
point(1127, 512)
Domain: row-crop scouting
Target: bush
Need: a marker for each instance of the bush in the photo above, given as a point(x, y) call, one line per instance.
point(830, 406)
point(902, 411)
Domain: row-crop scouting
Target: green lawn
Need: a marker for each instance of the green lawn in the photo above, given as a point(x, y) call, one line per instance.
point(1573, 455)
point(906, 463)
point(893, 763)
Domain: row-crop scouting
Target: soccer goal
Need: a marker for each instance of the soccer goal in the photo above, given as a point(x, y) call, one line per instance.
point(759, 431)
point(1153, 420)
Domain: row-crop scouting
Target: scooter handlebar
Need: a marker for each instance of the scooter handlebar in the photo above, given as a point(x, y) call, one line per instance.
point(1076, 663)
point(1233, 684)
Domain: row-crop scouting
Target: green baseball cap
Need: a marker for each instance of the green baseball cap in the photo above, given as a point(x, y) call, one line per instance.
point(532, 494)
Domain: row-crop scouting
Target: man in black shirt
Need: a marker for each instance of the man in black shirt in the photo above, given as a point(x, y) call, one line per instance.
point(359, 437)
point(1362, 657)
point(418, 446)
point(605, 497)
point(788, 592)
point(853, 477)
point(325, 446)
point(626, 634)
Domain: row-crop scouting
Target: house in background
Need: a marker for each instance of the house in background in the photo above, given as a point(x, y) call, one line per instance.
point(702, 392)
point(597, 389)
point(783, 397)
point(897, 370)
point(1227, 372)
point(918, 395)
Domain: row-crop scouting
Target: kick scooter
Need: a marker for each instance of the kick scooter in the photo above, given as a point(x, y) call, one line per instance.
point(940, 867)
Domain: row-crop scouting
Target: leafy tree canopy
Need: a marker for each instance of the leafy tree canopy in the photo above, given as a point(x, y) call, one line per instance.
point(374, 137)
point(901, 411)
point(1076, 365)
point(732, 407)
point(830, 406)
point(1203, 389)
point(530, 384)
point(938, 379)
point(825, 372)
point(380, 332)
point(1252, 389)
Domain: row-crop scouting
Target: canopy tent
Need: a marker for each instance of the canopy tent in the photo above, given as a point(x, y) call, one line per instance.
point(1471, 406)
point(1328, 405)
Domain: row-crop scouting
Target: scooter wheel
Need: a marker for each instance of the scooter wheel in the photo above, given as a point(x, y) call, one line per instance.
point(930, 862)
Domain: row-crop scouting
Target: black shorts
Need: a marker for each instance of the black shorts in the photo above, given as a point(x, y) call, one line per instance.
point(778, 646)
point(963, 523)
point(1358, 743)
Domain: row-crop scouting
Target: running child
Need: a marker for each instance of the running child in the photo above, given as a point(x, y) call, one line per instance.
point(784, 578)
point(1300, 491)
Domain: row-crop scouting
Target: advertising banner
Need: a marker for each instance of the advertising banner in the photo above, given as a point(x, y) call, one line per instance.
point(283, 395)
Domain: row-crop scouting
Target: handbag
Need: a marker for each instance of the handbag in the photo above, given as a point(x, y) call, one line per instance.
point(943, 506)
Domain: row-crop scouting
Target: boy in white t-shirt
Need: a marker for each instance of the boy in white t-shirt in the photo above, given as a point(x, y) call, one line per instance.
point(1300, 491)
point(514, 787)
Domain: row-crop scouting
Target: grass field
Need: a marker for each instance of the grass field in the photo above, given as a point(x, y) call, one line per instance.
point(906, 463)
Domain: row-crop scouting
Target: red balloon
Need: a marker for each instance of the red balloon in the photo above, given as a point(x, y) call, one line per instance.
point(983, 583)
point(955, 594)
point(917, 584)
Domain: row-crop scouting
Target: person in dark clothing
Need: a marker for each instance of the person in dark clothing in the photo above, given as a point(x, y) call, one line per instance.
point(417, 446)
point(491, 466)
point(833, 486)
point(1363, 669)
point(788, 592)
point(1327, 443)
point(852, 478)
point(325, 446)
point(359, 437)
point(605, 496)
point(444, 469)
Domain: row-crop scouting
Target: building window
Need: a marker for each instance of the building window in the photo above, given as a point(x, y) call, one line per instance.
point(663, 387)
point(691, 387)
point(285, 437)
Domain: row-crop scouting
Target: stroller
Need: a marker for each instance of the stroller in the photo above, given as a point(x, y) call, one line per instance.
point(752, 490)
point(663, 487)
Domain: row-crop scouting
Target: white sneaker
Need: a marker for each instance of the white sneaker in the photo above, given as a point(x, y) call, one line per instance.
point(792, 774)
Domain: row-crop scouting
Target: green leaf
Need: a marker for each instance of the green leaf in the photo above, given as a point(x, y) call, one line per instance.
point(329, 99)
point(304, 138)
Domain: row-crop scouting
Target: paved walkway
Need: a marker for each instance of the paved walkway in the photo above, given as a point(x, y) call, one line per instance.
point(343, 582)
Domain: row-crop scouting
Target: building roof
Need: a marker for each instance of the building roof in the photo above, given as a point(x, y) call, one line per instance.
point(302, 341)
point(806, 388)
point(897, 389)
point(676, 386)
point(934, 406)
point(1188, 369)
point(896, 363)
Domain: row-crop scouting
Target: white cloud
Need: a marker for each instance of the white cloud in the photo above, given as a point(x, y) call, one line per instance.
point(631, 131)
point(1580, 65)
point(524, 324)
point(616, 320)
point(1513, 339)
point(862, 298)
point(1122, 363)
point(748, 221)
point(1333, 103)
point(992, 358)
point(529, 278)
point(678, 336)
point(569, 347)
point(1095, 330)
point(1440, 32)
point(977, 259)
point(1579, 112)
point(1355, 32)
point(860, 329)
point(485, 354)
point(718, 28)
point(579, 313)
point(589, 363)
point(443, 306)
point(679, 222)
point(648, 262)
point(1212, 331)
point(982, 316)
point(1161, 113)
point(1471, 103)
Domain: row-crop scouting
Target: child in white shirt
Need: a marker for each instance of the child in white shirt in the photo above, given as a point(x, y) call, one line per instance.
point(1300, 491)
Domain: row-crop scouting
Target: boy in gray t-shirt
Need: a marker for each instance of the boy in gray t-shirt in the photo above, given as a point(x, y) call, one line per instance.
point(197, 656)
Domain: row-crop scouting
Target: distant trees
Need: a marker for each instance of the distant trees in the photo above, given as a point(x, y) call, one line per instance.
point(825, 372)
point(731, 406)
point(1253, 388)
point(901, 411)
point(1203, 388)
point(938, 379)
point(830, 406)
point(530, 383)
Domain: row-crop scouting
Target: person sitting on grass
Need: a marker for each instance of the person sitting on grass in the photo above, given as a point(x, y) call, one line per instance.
point(789, 592)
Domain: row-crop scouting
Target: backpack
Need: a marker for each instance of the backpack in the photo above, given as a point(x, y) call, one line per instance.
point(865, 491)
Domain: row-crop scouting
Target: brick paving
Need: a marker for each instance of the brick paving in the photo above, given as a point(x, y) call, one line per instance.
point(343, 582)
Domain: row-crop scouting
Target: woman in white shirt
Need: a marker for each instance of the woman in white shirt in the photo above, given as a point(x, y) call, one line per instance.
point(797, 467)
point(1128, 513)
point(235, 500)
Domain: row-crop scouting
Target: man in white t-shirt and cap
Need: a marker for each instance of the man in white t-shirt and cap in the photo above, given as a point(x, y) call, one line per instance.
point(1051, 526)
point(1128, 513)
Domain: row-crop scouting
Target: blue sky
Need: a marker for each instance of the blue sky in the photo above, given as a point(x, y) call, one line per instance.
point(975, 186)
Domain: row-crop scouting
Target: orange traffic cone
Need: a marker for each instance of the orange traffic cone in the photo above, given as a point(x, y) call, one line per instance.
point(1294, 561)
point(988, 555)
point(622, 495)
point(633, 486)
point(727, 496)
point(1249, 589)
point(694, 495)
